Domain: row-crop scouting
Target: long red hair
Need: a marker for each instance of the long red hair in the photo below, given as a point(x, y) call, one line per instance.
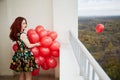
point(16, 28)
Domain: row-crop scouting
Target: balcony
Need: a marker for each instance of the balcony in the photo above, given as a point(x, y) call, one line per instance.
point(76, 63)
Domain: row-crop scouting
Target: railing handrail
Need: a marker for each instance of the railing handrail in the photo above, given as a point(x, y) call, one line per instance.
point(98, 69)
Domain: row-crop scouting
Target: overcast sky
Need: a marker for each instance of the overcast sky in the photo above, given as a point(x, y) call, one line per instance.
point(98, 7)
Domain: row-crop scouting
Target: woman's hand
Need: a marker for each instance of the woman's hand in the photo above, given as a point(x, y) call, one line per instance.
point(37, 44)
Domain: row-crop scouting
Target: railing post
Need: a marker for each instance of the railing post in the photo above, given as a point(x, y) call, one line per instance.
point(87, 70)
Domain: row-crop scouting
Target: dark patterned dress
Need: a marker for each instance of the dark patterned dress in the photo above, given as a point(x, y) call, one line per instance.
point(23, 59)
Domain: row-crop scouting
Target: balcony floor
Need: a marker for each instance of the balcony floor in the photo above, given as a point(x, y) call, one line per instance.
point(69, 69)
point(38, 77)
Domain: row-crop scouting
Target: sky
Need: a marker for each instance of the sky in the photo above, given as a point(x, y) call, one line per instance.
point(98, 7)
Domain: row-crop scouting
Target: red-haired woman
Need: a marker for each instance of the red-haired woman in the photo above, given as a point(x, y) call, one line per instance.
point(23, 60)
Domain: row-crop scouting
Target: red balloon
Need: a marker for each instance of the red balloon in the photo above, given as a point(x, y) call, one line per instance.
point(99, 28)
point(15, 47)
point(55, 53)
point(35, 72)
point(35, 51)
point(37, 60)
point(39, 28)
point(55, 45)
point(42, 33)
point(30, 31)
point(53, 35)
point(42, 60)
point(34, 38)
point(46, 41)
point(45, 66)
point(51, 62)
point(48, 31)
point(45, 52)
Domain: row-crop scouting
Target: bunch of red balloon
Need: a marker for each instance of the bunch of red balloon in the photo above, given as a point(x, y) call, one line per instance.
point(46, 54)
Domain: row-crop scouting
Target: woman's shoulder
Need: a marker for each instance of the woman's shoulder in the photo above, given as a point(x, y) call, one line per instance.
point(23, 35)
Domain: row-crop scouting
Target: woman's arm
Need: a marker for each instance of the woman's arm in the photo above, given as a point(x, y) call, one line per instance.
point(23, 37)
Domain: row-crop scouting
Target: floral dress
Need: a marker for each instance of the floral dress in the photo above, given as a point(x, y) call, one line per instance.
point(23, 59)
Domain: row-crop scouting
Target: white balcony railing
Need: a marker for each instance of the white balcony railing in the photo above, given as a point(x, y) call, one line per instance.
point(89, 68)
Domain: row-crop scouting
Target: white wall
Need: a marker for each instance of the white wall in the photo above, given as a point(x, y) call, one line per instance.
point(57, 15)
point(65, 18)
point(5, 47)
point(35, 11)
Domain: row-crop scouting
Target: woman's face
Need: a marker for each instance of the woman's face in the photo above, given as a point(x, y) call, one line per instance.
point(23, 25)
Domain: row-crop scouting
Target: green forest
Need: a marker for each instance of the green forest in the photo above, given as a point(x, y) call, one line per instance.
point(105, 46)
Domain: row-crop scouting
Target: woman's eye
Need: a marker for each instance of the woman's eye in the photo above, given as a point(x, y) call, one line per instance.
point(24, 23)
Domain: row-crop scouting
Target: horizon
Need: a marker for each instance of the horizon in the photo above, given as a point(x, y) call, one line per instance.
point(100, 16)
